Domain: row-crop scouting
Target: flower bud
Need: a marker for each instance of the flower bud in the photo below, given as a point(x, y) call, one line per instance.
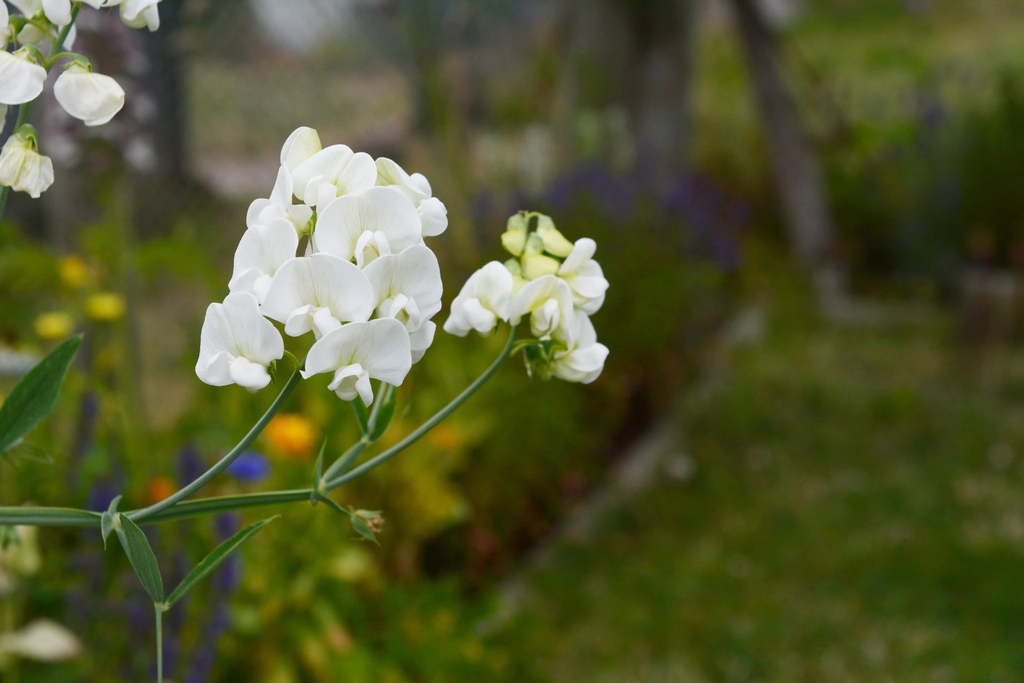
point(140, 13)
point(514, 237)
point(21, 77)
point(91, 97)
point(538, 265)
point(22, 168)
point(554, 242)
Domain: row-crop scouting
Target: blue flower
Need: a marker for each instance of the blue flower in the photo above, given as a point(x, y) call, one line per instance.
point(250, 467)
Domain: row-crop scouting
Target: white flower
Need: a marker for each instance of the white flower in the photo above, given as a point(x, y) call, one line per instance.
point(21, 78)
point(91, 97)
point(279, 205)
point(140, 13)
point(22, 557)
point(42, 641)
point(407, 287)
point(484, 299)
point(24, 169)
point(584, 276)
point(583, 359)
point(303, 143)
point(433, 214)
point(333, 172)
point(357, 352)
point(6, 32)
point(548, 302)
point(261, 252)
point(318, 293)
point(237, 344)
point(378, 222)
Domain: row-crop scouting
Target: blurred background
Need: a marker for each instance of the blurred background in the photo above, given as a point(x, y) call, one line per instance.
point(800, 463)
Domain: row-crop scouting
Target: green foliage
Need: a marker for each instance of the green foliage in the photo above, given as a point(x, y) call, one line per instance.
point(34, 395)
point(214, 560)
point(140, 555)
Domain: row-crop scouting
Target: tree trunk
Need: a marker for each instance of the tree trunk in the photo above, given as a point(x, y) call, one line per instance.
point(797, 175)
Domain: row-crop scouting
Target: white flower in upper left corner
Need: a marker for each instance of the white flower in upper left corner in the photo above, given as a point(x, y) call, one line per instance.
point(407, 287)
point(261, 252)
point(41, 641)
point(548, 302)
point(21, 78)
point(91, 97)
point(433, 214)
point(378, 222)
point(583, 358)
point(238, 344)
point(24, 169)
point(484, 299)
point(319, 293)
point(359, 352)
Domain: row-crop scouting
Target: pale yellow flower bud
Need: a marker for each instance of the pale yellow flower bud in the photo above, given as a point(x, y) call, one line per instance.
point(105, 307)
point(554, 242)
point(53, 325)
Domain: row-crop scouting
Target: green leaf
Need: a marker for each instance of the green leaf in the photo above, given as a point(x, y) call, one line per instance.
point(361, 417)
point(214, 559)
point(384, 414)
point(34, 395)
point(107, 520)
point(362, 528)
point(141, 557)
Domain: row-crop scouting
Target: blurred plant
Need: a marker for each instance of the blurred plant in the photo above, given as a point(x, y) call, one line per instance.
point(366, 288)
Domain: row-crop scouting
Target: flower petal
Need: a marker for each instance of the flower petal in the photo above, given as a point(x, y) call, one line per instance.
point(381, 347)
point(21, 79)
point(319, 281)
point(264, 248)
point(413, 272)
point(303, 143)
point(379, 209)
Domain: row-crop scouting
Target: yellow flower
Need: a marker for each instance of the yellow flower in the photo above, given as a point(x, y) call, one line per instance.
point(105, 307)
point(292, 434)
point(53, 325)
point(73, 270)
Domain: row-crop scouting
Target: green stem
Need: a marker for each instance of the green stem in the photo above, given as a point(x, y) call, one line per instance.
point(207, 506)
point(341, 464)
point(159, 643)
point(23, 109)
point(429, 424)
point(140, 515)
point(33, 516)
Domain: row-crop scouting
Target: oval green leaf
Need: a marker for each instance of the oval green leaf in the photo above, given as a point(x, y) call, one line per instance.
point(34, 395)
point(141, 557)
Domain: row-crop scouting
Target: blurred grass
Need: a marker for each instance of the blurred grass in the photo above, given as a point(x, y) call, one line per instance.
point(857, 515)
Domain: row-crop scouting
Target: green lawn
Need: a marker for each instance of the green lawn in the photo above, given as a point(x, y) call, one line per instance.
point(857, 515)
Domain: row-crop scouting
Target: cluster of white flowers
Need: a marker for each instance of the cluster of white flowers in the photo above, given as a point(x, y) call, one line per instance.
point(366, 285)
point(84, 94)
point(556, 283)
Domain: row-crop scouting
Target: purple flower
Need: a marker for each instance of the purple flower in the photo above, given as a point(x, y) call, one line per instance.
point(250, 467)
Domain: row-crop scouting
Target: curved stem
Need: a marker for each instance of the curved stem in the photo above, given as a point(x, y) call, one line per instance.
point(347, 458)
point(206, 506)
point(222, 464)
point(432, 422)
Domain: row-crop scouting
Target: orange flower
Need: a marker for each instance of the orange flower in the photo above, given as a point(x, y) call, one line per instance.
point(292, 434)
point(159, 489)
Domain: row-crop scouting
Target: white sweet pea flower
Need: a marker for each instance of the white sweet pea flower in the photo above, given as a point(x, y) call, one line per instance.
point(584, 276)
point(21, 77)
point(303, 143)
point(279, 205)
point(359, 352)
point(485, 298)
point(141, 13)
point(333, 172)
point(548, 302)
point(41, 641)
point(583, 359)
point(433, 214)
point(6, 31)
point(318, 293)
point(378, 222)
point(22, 167)
point(238, 344)
point(91, 97)
point(407, 287)
point(261, 252)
